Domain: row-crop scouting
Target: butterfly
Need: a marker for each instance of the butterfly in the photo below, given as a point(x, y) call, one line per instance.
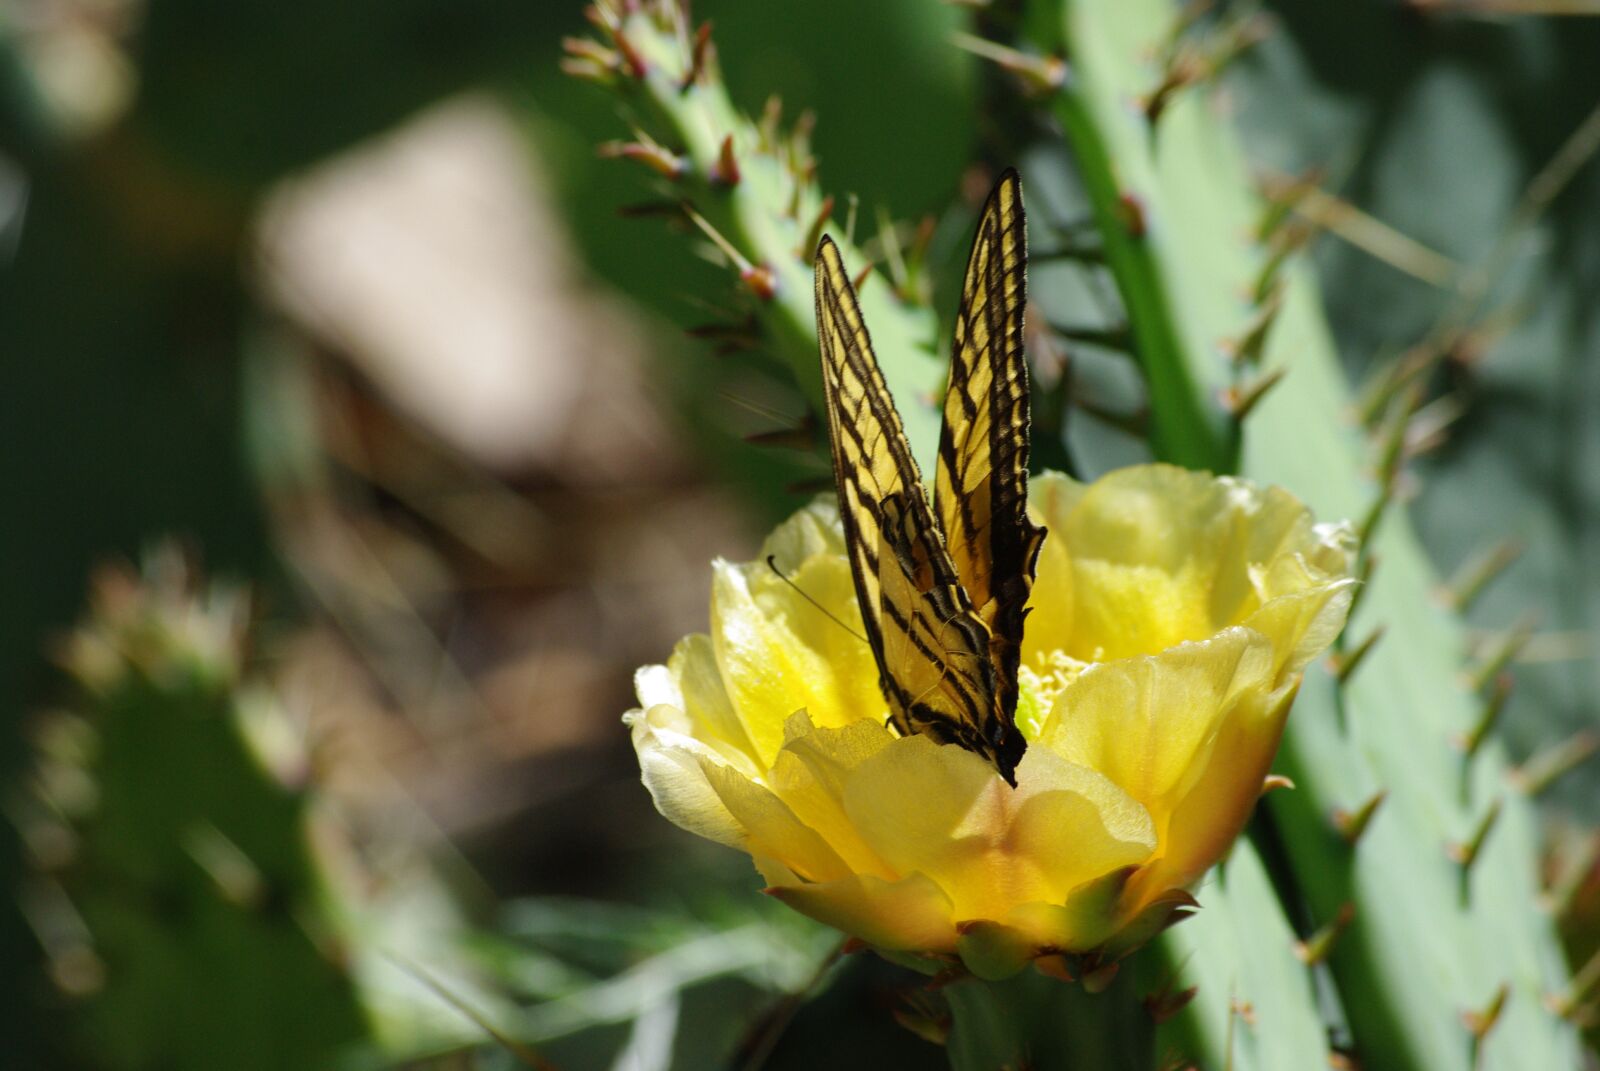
point(943, 587)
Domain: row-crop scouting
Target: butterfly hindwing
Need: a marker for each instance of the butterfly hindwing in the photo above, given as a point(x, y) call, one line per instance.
point(981, 486)
point(942, 682)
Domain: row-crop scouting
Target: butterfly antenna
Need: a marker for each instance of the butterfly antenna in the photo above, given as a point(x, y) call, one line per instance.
point(831, 616)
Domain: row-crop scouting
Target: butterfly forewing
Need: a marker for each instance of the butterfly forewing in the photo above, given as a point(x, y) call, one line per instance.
point(933, 652)
point(981, 486)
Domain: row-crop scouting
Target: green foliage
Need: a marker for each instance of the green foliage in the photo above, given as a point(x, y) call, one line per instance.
point(750, 190)
point(1442, 879)
point(182, 904)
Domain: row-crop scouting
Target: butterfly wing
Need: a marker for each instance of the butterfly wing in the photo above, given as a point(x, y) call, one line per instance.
point(932, 651)
point(941, 680)
point(981, 486)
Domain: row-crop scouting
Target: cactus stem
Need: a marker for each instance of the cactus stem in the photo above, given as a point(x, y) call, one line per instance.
point(808, 249)
point(1585, 983)
point(725, 172)
point(1476, 573)
point(1345, 663)
point(1112, 338)
point(1273, 782)
point(1546, 767)
point(657, 158)
point(1352, 824)
point(1040, 74)
point(1164, 1003)
point(1473, 739)
point(1248, 347)
point(1480, 1023)
point(1316, 948)
point(1494, 662)
point(1240, 400)
point(1465, 853)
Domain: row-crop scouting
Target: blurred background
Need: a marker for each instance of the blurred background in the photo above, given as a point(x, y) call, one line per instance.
point(339, 298)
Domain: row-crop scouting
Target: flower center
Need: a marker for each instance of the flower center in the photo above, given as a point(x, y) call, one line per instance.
point(1038, 687)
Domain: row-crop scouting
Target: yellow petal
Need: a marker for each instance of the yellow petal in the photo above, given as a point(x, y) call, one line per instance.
point(770, 828)
point(1051, 497)
point(1205, 820)
point(779, 650)
point(1152, 556)
point(944, 812)
point(658, 685)
point(1302, 625)
point(1149, 723)
point(1074, 823)
point(909, 915)
point(809, 775)
point(698, 682)
point(671, 766)
point(1090, 913)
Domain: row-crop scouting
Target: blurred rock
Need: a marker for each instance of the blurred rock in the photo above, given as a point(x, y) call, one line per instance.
point(430, 261)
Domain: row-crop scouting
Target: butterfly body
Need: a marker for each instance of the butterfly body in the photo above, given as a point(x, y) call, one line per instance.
point(943, 587)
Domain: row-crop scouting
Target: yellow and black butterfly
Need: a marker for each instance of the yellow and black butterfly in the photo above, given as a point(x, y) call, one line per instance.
point(943, 589)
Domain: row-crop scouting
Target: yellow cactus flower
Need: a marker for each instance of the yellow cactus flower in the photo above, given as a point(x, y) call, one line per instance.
point(1172, 617)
